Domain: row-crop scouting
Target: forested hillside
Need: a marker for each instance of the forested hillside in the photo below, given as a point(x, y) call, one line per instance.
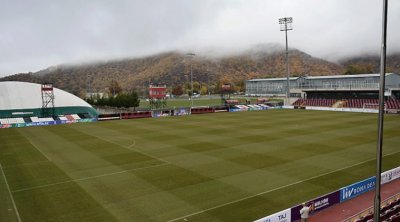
point(173, 69)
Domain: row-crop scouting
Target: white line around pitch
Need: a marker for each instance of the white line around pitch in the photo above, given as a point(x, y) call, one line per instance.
point(87, 178)
point(275, 189)
point(11, 196)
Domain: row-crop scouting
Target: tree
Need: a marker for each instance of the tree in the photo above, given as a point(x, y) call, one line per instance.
point(177, 90)
point(188, 88)
point(134, 100)
point(114, 88)
point(196, 86)
point(240, 86)
point(203, 90)
point(359, 69)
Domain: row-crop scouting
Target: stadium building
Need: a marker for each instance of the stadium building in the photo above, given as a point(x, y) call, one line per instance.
point(323, 86)
point(22, 102)
point(354, 91)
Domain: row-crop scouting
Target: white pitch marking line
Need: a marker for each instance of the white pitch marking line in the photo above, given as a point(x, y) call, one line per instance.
point(130, 147)
point(11, 196)
point(38, 149)
point(275, 189)
point(87, 178)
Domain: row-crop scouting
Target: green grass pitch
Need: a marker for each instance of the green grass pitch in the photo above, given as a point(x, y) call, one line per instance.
point(211, 167)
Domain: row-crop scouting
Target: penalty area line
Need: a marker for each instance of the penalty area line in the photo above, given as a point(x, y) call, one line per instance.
point(87, 178)
point(11, 196)
point(48, 158)
point(275, 189)
point(129, 147)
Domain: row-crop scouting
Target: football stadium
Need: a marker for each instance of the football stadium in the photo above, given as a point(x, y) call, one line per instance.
point(237, 162)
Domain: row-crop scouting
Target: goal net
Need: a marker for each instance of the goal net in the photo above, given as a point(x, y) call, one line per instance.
point(372, 106)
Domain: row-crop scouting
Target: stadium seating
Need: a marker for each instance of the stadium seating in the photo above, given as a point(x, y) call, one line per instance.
point(361, 103)
point(75, 116)
point(35, 119)
point(389, 213)
point(393, 104)
point(242, 107)
point(299, 102)
point(349, 103)
point(372, 103)
point(70, 117)
point(315, 102)
point(63, 118)
point(46, 119)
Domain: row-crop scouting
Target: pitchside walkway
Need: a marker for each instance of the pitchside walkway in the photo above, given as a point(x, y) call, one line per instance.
point(349, 208)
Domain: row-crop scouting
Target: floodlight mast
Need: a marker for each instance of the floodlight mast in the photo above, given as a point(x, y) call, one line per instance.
point(191, 77)
point(286, 25)
point(377, 200)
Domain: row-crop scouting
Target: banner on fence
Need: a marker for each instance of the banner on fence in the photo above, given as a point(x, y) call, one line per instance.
point(357, 110)
point(344, 194)
point(44, 123)
point(236, 110)
point(390, 175)
point(317, 204)
point(47, 123)
point(282, 216)
point(356, 189)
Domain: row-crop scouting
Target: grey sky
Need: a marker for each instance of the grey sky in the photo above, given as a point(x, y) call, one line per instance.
point(36, 34)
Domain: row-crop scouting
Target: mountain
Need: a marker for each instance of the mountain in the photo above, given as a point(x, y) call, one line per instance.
point(370, 64)
point(173, 68)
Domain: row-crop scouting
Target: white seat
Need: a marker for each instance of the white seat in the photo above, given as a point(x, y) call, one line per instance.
point(76, 116)
point(35, 119)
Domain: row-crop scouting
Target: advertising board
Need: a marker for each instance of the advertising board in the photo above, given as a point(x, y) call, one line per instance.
point(390, 175)
point(44, 123)
point(282, 216)
point(4, 126)
point(356, 189)
point(317, 204)
point(342, 109)
point(47, 123)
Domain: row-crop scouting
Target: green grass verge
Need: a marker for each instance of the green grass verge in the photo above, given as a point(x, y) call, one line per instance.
point(202, 101)
point(211, 167)
point(171, 103)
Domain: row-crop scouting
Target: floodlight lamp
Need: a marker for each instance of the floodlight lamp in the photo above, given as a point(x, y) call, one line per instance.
point(286, 27)
point(286, 23)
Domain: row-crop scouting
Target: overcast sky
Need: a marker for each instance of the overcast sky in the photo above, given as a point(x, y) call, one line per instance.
point(36, 34)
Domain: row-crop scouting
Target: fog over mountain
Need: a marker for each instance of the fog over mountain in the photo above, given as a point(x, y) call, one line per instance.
point(41, 33)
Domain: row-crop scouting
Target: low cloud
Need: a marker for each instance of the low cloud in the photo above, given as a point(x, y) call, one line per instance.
point(40, 33)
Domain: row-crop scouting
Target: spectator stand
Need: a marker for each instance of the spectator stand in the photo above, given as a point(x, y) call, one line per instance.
point(390, 211)
point(391, 105)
